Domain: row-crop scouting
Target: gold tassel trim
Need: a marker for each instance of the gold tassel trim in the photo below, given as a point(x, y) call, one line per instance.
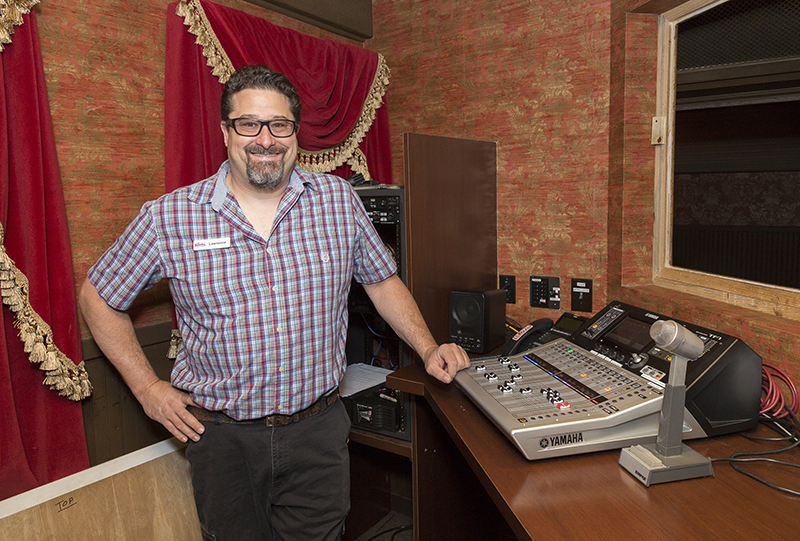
point(61, 374)
point(319, 161)
point(11, 12)
point(194, 16)
point(175, 342)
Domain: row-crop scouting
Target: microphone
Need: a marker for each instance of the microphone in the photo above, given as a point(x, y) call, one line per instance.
point(677, 339)
point(669, 459)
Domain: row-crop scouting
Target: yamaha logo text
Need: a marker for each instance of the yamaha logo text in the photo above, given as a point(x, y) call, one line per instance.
point(563, 439)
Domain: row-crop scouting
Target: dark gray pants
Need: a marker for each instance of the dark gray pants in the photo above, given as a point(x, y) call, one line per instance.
point(253, 482)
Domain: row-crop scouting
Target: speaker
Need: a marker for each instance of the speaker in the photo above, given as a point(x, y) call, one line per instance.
point(478, 319)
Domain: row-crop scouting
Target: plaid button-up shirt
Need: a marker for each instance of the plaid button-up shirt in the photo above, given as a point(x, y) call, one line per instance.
point(263, 322)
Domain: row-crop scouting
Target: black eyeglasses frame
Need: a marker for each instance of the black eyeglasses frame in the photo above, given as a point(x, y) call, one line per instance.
point(268, 123)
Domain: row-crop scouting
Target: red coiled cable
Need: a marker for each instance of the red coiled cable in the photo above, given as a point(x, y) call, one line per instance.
point(772, 400)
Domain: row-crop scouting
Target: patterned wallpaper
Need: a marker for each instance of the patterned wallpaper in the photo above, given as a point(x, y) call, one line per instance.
point(534, 77)
point(566, 89)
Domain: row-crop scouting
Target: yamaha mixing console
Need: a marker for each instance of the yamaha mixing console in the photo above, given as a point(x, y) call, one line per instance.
point(603, 387)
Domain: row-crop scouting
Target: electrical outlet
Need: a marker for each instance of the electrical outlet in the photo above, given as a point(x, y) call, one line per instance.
point(546, 292)
point(581, 295)
point(509, 283)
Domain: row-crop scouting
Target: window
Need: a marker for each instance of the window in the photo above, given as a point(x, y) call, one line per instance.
point(712, 98)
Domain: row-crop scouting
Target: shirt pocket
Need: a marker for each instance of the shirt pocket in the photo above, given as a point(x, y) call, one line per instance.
point(214, 284)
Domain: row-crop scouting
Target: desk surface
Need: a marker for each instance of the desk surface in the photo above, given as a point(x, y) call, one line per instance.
point(591, 496)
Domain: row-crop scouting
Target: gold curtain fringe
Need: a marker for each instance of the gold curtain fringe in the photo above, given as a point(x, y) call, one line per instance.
point(61, 374)
point(11, 12)
point(195, 18)
point(358, 163)
point(175, 342)
point(320, 161)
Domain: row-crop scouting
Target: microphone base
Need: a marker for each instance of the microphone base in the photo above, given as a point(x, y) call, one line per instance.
point(651, 467)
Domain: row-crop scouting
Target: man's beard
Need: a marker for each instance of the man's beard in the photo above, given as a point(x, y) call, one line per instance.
point(265, 175)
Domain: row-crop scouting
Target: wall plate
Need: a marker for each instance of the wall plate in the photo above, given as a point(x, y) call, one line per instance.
point(546, 292)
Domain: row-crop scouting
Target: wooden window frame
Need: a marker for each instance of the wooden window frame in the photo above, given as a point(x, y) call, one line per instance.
point(776, 300)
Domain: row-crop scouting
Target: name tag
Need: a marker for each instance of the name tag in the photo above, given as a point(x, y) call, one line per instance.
point(211, 244)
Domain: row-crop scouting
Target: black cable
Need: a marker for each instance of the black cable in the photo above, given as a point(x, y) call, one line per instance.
point(388, 357)
point(513, 325)
point(375, 354)
point(760, 479)
point(382, 337)
point(791, 434)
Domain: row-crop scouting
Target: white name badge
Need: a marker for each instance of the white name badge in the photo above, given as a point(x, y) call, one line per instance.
point(211, 244)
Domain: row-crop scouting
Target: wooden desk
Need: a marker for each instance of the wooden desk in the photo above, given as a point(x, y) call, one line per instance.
point(579, 497)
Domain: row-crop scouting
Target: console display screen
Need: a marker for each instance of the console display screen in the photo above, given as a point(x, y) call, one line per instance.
point(569, 324)
point(631, 334)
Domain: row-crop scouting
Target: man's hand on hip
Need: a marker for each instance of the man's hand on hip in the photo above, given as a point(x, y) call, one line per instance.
point(164, 403)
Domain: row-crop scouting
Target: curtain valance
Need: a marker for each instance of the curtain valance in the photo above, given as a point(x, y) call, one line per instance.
point(342, 88)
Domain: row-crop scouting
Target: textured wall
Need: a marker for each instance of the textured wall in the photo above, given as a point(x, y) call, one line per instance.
point(534, 77)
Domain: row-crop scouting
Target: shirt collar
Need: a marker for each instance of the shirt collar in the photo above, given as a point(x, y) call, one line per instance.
point(220, 188)
point(297, 182)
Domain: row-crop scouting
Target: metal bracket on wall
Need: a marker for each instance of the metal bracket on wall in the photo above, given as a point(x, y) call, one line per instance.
point(657, 136)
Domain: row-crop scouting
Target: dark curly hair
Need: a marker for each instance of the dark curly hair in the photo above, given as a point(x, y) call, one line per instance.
point(260, 77)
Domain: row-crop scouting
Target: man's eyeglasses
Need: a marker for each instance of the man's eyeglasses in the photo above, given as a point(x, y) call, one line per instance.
point(251, 127)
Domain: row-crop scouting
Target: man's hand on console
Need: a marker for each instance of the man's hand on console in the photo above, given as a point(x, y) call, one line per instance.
point(443, 362)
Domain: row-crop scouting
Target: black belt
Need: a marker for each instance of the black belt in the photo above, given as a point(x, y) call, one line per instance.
point(277, 419)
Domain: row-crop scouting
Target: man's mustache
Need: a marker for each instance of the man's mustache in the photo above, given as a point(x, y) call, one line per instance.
point(266, 151)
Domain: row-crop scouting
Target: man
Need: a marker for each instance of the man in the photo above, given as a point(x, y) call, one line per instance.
point(259, 259)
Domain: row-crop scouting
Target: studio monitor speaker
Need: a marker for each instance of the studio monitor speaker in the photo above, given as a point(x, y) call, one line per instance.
point(478, 319)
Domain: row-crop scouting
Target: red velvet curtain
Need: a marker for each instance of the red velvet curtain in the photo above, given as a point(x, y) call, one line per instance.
point(41, 433)
point(333, 79)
